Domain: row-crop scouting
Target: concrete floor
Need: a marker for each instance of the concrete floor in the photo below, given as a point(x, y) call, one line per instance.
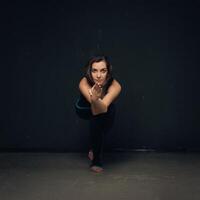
point(133, 175)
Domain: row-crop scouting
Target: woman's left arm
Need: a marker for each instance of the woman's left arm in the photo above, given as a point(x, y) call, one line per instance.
point(113, 92)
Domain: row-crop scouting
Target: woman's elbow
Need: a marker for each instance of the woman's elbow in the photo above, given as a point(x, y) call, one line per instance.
point(105, 110)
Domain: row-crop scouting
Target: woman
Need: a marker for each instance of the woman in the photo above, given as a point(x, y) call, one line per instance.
point(98, 90)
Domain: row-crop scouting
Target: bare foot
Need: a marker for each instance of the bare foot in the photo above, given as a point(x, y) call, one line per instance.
point(90, 155)
point(97, 169)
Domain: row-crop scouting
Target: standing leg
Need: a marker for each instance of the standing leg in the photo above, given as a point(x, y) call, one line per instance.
point(96, 136)
point(100, 125)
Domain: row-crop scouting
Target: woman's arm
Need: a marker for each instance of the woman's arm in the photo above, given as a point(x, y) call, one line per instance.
point(84, 88)
point(113, 92)
point(99, 105)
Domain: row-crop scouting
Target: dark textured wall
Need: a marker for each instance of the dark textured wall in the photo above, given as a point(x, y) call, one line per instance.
point(153, 46)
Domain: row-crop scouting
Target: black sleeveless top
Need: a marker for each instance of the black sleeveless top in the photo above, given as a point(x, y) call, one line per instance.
point(83, 101)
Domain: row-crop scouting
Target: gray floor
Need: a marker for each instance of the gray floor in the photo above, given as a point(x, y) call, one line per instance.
point(135, 175)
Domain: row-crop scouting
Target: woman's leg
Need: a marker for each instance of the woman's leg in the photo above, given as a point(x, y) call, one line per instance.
point(100, 125)
point(96, 136)
point(90, 154)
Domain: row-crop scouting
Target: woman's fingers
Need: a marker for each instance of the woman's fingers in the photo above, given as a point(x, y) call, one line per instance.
point(98, 86)
point(90, 92)
point(98, 90)
point(95, 90)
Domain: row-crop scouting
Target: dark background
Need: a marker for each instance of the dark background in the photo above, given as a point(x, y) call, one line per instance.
point(153, 47)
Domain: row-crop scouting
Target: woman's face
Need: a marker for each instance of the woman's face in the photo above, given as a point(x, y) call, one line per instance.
point(99, 72)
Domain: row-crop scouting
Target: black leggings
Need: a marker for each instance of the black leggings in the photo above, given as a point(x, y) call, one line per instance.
point(100, 125)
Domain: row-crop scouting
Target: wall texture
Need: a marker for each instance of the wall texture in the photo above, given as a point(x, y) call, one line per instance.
point(153, 47)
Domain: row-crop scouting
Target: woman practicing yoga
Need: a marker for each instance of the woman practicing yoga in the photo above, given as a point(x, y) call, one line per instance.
point(98, 90)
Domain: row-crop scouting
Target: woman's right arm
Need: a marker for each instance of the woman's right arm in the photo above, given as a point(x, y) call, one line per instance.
point(84, 88)
point(97, 106)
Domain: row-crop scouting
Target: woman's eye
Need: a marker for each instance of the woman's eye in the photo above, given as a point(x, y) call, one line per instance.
point(103, 71)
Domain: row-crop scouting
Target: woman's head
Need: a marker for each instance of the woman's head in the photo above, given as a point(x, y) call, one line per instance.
point(98, 70)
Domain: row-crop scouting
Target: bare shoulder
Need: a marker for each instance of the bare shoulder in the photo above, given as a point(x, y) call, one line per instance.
point(84, 88)
point(115, 85)
point(84, 83)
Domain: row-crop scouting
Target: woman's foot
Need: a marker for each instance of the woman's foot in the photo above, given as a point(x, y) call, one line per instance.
point(96, 168)
point(90, 155)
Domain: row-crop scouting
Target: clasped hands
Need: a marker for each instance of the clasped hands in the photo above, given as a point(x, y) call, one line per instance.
point(95, 92)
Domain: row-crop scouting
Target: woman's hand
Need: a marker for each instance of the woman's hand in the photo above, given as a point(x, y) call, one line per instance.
point(95, 92)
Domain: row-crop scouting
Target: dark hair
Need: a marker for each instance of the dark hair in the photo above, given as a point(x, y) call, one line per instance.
point(98, 58)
